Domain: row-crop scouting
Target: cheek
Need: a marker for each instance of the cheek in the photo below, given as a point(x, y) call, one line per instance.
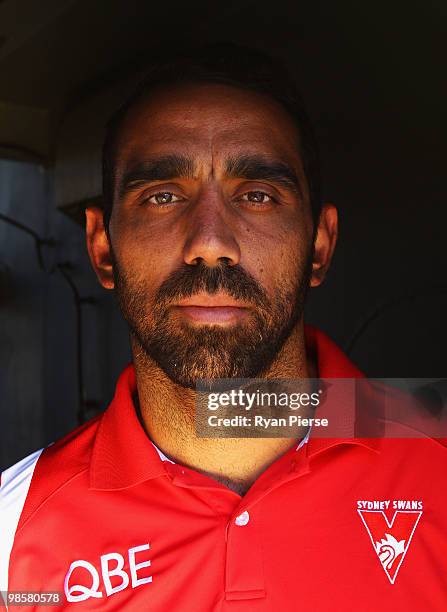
point(144, 258)
point(276, 257)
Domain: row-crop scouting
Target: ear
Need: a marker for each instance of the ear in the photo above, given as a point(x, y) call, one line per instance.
point(98, 246)
point(325, 241)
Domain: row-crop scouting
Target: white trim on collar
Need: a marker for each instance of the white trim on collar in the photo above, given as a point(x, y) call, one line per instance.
point(162, 455)
point(305, 440)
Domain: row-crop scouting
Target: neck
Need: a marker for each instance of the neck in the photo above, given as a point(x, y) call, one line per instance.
point(166, 411)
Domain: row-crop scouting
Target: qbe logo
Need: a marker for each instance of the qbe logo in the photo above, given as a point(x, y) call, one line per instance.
point(83, 580)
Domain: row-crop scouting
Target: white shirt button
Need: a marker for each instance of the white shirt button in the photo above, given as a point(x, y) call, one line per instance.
point(242, 519)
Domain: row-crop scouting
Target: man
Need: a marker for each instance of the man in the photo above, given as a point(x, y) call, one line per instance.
point(211, 234)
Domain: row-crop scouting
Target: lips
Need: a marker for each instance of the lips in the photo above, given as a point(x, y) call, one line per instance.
point(218, 300)
point(215, 309)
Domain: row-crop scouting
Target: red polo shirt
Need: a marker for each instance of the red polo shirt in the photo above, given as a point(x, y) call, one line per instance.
point(339, 524)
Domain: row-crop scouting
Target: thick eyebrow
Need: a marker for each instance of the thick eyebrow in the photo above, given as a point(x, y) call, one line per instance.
point(248, 167)
point(159, 169)
point(259, 168)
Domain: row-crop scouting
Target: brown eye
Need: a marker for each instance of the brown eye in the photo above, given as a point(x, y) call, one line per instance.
point(257, 197)
point(163, 197)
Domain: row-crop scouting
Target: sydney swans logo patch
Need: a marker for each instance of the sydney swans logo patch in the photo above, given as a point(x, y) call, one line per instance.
point(390, 525)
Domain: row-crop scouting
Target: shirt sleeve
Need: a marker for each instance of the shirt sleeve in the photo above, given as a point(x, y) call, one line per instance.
point(14, 486)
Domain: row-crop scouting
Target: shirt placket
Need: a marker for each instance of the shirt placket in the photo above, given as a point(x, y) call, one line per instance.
point(245, 560)
point(244, 563)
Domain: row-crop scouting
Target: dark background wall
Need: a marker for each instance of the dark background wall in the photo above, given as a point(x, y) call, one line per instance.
point(373, 78)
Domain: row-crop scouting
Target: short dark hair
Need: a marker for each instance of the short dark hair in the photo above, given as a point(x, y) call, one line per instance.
point(229, 64)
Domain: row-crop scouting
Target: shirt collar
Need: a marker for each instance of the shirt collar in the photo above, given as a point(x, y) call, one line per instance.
point(123, 455)
point(333, 363)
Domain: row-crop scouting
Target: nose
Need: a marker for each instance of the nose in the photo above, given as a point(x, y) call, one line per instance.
point(210, 236)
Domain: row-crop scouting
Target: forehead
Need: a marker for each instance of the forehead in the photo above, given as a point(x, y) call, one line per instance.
point(207, 122)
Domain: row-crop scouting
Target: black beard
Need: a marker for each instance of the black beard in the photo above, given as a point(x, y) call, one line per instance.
point(186, 353)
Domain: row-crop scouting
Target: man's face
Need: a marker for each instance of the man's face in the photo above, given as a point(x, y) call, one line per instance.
point(211, 230)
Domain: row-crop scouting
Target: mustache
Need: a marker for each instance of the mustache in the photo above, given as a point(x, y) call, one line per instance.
point(191, 279)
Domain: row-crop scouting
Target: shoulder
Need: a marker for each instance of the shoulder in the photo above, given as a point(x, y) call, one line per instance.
point(14, 487)
point(27, 483)
point(397, 416)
